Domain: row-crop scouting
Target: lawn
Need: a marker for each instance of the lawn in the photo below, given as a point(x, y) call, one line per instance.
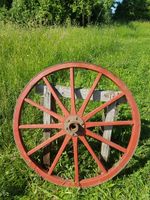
point(24, 52)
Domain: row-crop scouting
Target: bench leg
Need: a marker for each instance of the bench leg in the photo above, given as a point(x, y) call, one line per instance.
point(48, 102)
point(110, 113)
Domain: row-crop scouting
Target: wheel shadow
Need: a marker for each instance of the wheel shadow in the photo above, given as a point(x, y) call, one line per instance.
point(13, 190)
point(139, 161)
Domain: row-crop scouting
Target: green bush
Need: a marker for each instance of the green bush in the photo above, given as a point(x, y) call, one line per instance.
point(50, 12)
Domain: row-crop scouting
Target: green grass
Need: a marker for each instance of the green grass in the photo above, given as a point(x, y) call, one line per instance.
point(122, 49)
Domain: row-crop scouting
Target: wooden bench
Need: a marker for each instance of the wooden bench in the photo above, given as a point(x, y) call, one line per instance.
point(80, 93)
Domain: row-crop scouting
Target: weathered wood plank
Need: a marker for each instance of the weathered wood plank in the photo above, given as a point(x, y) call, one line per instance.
point(47, 119)
point(81, 93)
point(110, 114)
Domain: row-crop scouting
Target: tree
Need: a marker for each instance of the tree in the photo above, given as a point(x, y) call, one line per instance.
point(133, 10)
point(91, 11)
point(49, 12)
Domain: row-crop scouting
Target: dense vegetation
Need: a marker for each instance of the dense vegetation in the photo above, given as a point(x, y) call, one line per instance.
point(50, 12)
point(72, 12)
point(133, 10)
point(122, 49)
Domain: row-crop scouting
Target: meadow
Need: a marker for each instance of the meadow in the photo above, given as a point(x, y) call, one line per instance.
point(24, 52)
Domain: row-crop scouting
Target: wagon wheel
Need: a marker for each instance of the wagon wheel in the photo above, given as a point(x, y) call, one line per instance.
point(75, 127)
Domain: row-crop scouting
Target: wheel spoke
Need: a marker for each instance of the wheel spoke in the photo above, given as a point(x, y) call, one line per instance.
point(85, 142)
point(93, 112)
point(75, 151)
point(73, 108)
point(42, 108)
point(47, 142)
point(63, 146)
point(113, 123)
point(100, 138)
point(81, 111)
point(44, 126)
point(64, 110)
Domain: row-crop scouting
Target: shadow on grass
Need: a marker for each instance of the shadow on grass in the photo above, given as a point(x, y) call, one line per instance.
point(141, 160)
point(12, 191)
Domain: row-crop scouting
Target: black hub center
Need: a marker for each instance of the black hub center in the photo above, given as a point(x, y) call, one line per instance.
point(74, 127)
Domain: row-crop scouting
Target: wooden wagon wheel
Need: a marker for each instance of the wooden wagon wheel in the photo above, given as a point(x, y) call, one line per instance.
point(75, 126)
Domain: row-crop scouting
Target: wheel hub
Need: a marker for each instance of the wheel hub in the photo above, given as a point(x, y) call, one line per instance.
point(74, 125)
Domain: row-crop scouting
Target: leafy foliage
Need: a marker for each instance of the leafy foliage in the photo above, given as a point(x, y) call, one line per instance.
point(72, 12)
point(133, 10)
point(49, 12)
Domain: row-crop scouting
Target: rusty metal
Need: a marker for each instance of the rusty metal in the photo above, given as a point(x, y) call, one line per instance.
point(74, 126)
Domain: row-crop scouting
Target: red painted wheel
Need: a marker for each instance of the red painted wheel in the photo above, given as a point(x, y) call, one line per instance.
point(79, 128)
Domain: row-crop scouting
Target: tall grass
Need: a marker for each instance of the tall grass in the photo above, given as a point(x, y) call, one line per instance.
point(122, 49)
